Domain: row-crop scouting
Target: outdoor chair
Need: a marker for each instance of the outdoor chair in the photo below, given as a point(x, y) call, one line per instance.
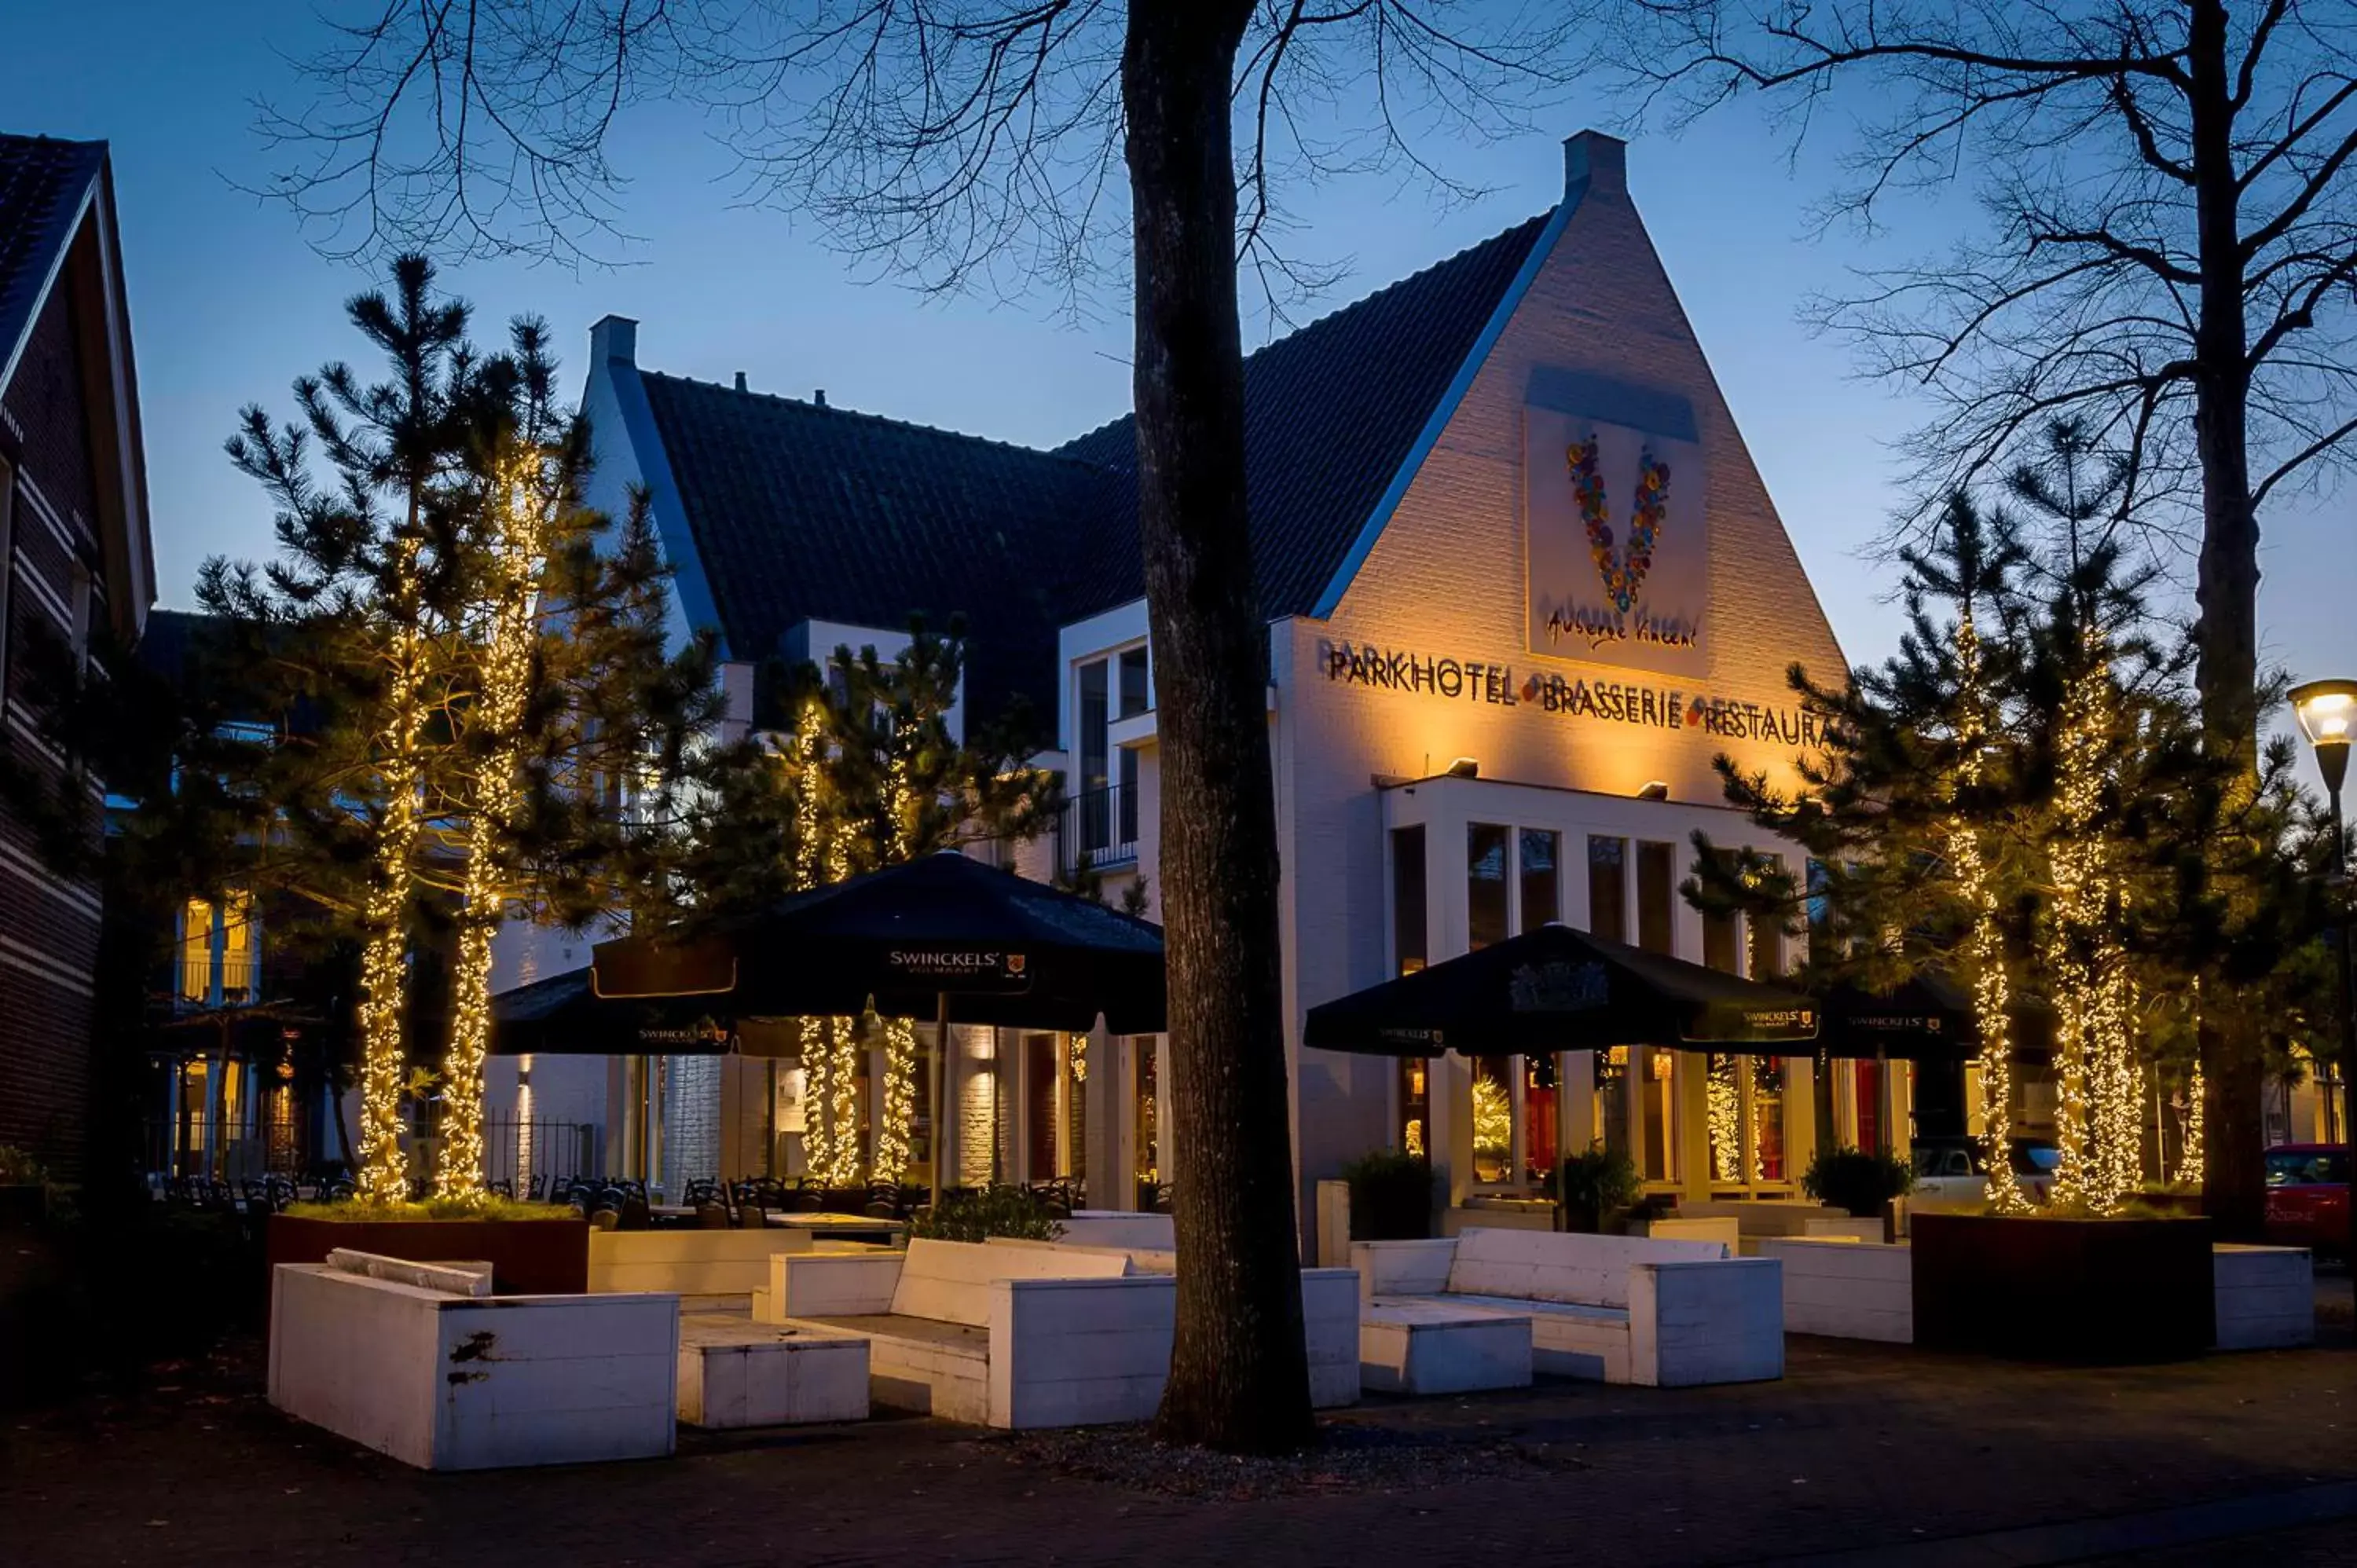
point(537, 1188)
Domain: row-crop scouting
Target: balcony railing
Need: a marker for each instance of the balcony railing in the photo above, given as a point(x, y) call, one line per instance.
point(1098, 827)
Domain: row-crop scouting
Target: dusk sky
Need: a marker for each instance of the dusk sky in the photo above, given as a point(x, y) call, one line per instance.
point(229, 302)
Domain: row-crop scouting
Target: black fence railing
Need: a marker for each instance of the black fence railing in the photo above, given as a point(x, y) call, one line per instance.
point(516, 1149)
point(1099, 827)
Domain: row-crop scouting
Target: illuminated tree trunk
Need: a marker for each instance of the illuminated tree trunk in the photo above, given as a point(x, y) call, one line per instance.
point(383, 1175)
point(1992, 986)
point(496, 715)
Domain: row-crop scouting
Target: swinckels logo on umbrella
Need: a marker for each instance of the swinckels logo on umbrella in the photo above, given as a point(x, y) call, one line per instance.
point(1557, 987)
point(962, 969)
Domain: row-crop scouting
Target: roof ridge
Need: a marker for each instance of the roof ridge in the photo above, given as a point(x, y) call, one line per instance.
point(805, 405)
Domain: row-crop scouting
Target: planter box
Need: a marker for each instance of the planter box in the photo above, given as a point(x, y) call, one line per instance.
point(2116, 1291)
point(1846, 1289)
point(528, 1257)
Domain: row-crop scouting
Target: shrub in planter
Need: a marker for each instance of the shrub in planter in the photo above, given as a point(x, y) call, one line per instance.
point(1858, 1180)
point(1390, 1196)
point(1597, 1188)
point(992, 1211)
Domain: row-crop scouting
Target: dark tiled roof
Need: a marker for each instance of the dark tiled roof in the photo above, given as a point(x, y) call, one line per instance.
point(1330, 413)
point(801, 512)
point(42, 182)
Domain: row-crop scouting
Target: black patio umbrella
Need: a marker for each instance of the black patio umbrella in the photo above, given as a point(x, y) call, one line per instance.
point(946, 937)
point(1555, 989)
point(1925, 1018)
point(564, 1015)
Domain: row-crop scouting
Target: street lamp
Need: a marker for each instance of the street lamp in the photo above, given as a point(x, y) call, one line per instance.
point(2327, 716)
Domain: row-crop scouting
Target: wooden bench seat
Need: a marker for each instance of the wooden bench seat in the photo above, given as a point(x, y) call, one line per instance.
point(734, 1372)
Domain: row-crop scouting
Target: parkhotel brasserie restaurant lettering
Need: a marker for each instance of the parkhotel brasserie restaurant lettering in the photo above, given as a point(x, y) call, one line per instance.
point(1521, 585)
point(1617, 702)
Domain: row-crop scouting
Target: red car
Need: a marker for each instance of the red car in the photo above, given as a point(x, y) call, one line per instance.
point(2308, 1196)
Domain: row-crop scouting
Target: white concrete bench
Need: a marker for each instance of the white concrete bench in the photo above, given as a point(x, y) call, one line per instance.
point(2265, 1296)
point(1758, 1220)
point(1849, 1290)
point(688, 1262)
point(1618, 1308)
point(461, 1380)
point(1005, 1337)
point(1329, 1316)
point(733, 1373)
point(1119, 1227)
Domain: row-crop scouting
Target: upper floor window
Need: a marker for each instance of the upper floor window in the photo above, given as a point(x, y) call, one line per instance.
point(220, 951)
point(1105, 786)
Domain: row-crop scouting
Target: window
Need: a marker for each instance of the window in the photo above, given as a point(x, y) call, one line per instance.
point(1415, 1105)
point(1608, 888)
point(1718, 943)
point(1613, 1099)
point(1538, 1117)
point(1485, 884)
point(1767, 1120)
point(1657, 1118)
point(196, 951)
point(1538, 865)
point(239, 951)
point(1493, 1119)
point(1407, 898)
point(1097, 821)
point(1133, 702)
point(1657, 874)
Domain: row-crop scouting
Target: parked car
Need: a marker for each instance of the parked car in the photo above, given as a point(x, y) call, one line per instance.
point(2308, 1196)
point(1954, 1171)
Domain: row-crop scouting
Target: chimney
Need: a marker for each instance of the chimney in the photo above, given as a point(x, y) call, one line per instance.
point(615, 337)
point(819, 397)
point(740, 380)
point(1595, 163)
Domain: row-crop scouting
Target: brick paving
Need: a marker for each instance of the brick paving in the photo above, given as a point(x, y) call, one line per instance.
point(1858, 1448)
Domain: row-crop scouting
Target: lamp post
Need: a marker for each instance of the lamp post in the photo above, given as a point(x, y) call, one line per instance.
point(2327, 716)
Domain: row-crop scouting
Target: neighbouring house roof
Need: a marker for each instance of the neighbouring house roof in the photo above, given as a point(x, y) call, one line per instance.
point(44, 186)
point(799, 510)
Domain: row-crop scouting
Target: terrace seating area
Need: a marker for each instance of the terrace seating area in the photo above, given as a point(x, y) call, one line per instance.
point(1485, 1308)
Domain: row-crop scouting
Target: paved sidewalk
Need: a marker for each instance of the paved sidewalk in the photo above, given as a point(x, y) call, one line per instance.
point(1884, 1455)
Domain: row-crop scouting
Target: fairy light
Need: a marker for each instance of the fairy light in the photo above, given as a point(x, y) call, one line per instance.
point(1992, 987)
point(1726, 1120)
point(384, 1167)
point(894, 1137)
point(818, 1078)
point(2099, 1084)
point(2190, 1158)
point(506, 673)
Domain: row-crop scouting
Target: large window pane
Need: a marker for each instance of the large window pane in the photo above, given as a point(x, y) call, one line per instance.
point(1539, 867)
point(1126, 799)
point(1097, 821)
point(1657, 876)
point(1608, 888)
point(1133, 682)
point(1485, 883)
point(1657, 1091)
point(1539, 1110)
point(1725, 1096)
point(1767, 1162)
point(1407, 898)
point(197, 950)
point(1415, 1105)
point(1613, 1099)
point(1493, 1119)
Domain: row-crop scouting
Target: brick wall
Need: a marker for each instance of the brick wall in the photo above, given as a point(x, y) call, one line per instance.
point(48, 925)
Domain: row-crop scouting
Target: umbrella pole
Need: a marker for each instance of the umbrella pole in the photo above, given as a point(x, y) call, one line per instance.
point(940, 1079)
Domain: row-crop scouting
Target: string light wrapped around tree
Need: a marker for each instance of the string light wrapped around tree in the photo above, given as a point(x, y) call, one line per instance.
point(384, 954)
point(497, 713)
point(1726, 1120)
point(1985, 944)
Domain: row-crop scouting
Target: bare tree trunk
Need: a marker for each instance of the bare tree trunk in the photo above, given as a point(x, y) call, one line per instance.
point(2227, 589)
point(1238, 1377)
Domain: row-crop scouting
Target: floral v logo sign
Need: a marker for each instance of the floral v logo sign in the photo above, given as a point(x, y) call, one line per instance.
point(1617, 542)
point(1622, 572)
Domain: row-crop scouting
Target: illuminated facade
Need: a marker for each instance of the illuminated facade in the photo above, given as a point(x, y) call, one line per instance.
point(1524, 583)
